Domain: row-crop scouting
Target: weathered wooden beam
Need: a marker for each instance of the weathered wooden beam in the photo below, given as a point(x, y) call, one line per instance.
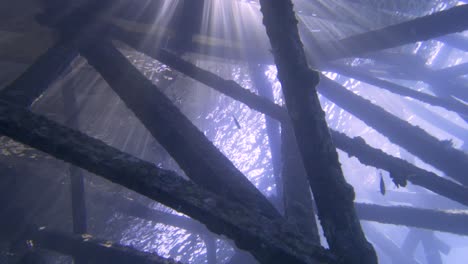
point(428, 27)
point(298, 202)
point(228, 51)
point(133, 208)
point(421, 199)
point(16, 46)
point(173, 130)
point(440, 84)
point(438, 121)
point(354, 147)
point(77, 182)
point(333, 195)
point(88, 248)
point(77, 187)
point(37, 78)
point(344, 13)
point(27, 88)
point(366, 212)
point(437, 220)
point(270, 241)
point(141, 38)
point(294, 188)
point(265, 90)
point(437, 153)
point(136, 209)
point(400, 170)
point(227, 87)
point(414, 67)
point(451, 105)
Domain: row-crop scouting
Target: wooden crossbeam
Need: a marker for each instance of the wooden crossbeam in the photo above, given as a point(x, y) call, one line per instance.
point(268, 240)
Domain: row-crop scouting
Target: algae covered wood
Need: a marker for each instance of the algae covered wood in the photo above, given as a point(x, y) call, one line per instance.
point(453, 162)
point(270, 241)
point(333, 195)
point(355, 147)
point(173, 130)
point(400, 170)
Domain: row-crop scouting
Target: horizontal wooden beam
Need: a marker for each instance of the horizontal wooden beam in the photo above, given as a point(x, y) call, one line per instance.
point(445, 221)
point(423, 28)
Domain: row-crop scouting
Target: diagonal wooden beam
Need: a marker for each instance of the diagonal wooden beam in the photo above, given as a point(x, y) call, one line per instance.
point(451, 105)
point(77, 184)
point(448, 22)
point(195, 154)
point(227, 87)
point(37, 78)
point(428, 27)
point(333, 195)
point(447, 125)
point(354, 147)
point(440, 154)
point(290, 174)
point(445, 221)
point(298, 202)
point(270, 241)
point(411, 65)
point(400, 170)
point(265, 90)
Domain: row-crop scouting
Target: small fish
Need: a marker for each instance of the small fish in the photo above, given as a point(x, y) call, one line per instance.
point(382, 185)
point(236, 122)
